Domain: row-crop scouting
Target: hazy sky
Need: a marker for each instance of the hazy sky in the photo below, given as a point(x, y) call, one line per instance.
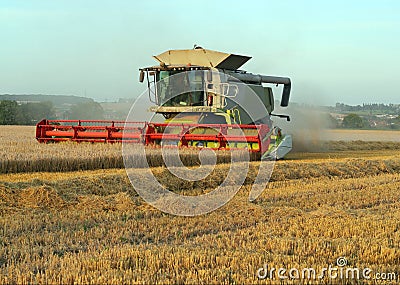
point(336, 51)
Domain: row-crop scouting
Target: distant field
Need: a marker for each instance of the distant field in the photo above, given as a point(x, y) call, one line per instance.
point(90, 226)
point(363, 135)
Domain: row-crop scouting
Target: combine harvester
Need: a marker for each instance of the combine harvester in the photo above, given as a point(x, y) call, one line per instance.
point(206, 102)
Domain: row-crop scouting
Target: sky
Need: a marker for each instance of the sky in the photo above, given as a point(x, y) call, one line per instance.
point(333, 51)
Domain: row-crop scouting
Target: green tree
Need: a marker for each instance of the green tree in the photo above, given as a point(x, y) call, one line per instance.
point(395, 123)
point(31, 113)
point(354, 121)
point(87, 111)
point(8, 112)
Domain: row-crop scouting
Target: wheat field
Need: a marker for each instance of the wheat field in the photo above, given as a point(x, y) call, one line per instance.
point(20, 152)
point(90, 226)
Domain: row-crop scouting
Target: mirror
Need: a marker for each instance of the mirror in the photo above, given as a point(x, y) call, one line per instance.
point(141, 76)
point(268, 99)
point(209, 76)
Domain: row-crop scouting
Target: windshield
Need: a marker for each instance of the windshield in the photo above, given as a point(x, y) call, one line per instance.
point(175, 88)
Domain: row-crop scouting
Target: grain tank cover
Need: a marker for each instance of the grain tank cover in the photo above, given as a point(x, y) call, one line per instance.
point(202, 57)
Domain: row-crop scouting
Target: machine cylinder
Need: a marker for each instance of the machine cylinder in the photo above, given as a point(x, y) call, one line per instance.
point(257, 78)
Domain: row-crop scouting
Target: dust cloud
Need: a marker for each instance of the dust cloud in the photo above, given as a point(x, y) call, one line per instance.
point(307, 126)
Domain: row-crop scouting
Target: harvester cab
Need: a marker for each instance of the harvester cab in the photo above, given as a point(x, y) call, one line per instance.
point(206, 102)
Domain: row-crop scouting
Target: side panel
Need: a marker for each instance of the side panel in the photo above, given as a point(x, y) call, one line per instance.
point(251, 101)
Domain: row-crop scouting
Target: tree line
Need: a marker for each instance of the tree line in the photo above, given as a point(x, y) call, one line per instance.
point(388, 108)
point(354, 121)
point(12, 113)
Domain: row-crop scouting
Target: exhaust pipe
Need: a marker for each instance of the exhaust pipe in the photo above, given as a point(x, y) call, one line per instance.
point(287, 85)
